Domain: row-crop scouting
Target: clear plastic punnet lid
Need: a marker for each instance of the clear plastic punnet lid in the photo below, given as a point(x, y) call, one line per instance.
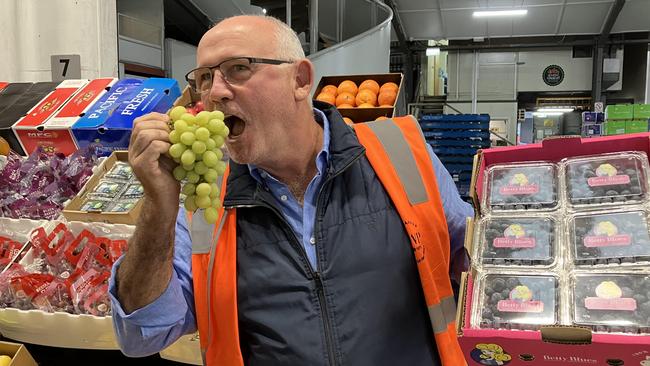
point(611, 302)
point(517, 241)
point(606, 179)
point(609, 237)
point(516, 301)
point(530, 186)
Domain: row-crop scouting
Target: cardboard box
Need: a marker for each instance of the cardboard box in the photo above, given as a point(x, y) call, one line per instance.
point(592, 117)
point(592, 130)
point(619, 111)
point(613, 128)
point(641, 111)
point(553, 345)
point(56, 134)
point(72, 211)
point(15, 101)
point(90, 128)
point(30, 130)
point(18, 353)
point(368, 114)
point(636, 126)
point(112, 130)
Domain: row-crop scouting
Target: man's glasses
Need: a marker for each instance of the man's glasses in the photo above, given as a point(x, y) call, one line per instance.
point(234, 71)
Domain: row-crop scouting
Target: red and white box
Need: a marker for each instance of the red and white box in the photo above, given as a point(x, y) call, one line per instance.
point(3, 84)
point(30, 130)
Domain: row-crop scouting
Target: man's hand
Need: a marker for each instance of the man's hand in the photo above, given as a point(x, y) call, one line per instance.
point(150, 162)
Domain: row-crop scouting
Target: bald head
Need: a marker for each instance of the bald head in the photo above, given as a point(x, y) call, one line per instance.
point(268, 30)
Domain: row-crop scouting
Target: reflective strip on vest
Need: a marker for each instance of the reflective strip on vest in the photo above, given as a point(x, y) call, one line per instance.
point(442, 315)
point(400, 156)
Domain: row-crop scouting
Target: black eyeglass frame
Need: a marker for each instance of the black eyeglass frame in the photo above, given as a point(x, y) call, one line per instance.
point(251, 60)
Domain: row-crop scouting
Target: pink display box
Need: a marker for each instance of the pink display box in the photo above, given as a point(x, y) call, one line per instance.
point(557, 345)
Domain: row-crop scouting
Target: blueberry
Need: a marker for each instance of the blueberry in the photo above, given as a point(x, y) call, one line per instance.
point(496, 297)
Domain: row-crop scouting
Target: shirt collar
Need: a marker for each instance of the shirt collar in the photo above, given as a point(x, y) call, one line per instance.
point(321, 158)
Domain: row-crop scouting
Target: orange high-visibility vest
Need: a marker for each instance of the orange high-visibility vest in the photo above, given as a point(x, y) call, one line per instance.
point(397, 152)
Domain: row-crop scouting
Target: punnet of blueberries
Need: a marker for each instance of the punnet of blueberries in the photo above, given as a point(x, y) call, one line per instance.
point(611, 302)
point(523, 302)
point(522, 187)
point(518, 241)
point(610, 238)
point(606, 179)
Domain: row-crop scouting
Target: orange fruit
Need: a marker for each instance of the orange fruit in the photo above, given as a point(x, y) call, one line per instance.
point(345, 105)
point(389, 86)
point(380, 118)
point(387, 97)
point(385, 106)
point(370, 85)
point(327, 98)
point(348, 121)
point(348, 86)
point(345, 98)
point(329, 89)
point(366, 96)
point(4, 147)
point(365, 105)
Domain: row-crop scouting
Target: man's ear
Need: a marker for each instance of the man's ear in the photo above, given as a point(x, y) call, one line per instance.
point(304, 79)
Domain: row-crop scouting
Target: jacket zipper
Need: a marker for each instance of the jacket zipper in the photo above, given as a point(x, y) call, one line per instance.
point(320, 291)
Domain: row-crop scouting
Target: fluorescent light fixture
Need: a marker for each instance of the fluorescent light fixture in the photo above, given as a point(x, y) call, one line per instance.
point(500, 13)
point(546, 114)
point(433, 51)
point(552, 110)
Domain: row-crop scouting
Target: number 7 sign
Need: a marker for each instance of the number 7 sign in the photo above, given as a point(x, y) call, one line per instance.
point(65, 67)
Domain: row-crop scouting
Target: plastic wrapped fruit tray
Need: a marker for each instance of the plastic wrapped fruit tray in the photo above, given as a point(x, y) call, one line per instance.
point(518, 241)
point(610, 237)
point(606, 179)
point(611, 302)
point(519, 187)
point(516, 301)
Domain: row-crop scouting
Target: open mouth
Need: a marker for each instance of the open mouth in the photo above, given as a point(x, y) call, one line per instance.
point(236, 126)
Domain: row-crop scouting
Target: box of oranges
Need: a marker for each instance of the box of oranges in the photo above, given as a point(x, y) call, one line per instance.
point(361, 98)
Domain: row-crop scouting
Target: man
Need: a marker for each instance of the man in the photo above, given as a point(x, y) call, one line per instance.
point(311, 262)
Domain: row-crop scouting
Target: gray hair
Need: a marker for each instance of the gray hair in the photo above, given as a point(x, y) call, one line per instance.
point(288, 43)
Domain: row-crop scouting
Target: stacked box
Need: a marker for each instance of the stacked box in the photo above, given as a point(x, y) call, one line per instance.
point(641, 111)
point(613, 127)
point(15, 101)
point(108, 123)
point(619, 112)
point(54, 134)
point(592, 117)
point(636, 126)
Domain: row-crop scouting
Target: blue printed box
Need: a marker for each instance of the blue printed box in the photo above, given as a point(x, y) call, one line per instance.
point(153, 95)
point(592, 117)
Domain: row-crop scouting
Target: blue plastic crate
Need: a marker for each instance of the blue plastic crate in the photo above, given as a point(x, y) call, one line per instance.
point(461, 159)
point(456, 117)
point(477, 143)
point(456, 134)
point(454, 150)
point(454, 125)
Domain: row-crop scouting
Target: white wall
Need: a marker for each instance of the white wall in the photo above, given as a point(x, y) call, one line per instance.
point(577, 71)
point(33, 30)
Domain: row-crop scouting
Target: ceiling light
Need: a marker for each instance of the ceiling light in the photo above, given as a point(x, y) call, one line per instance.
point(433, 51)
point(500, 13)
point(551, 110)
point(264, 10)
point(546, 114)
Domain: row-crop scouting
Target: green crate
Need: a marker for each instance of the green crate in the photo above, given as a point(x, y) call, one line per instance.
point(641, 111)
point(636, 126)
point(619, 111)
point(613, 128)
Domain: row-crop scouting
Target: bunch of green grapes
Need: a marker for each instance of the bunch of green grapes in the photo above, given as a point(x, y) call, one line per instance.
point(196, 147)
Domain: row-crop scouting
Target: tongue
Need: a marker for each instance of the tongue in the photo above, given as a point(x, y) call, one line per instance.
point(237, 127)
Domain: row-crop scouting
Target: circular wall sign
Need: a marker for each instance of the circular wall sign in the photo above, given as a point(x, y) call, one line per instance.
point(553, 75)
